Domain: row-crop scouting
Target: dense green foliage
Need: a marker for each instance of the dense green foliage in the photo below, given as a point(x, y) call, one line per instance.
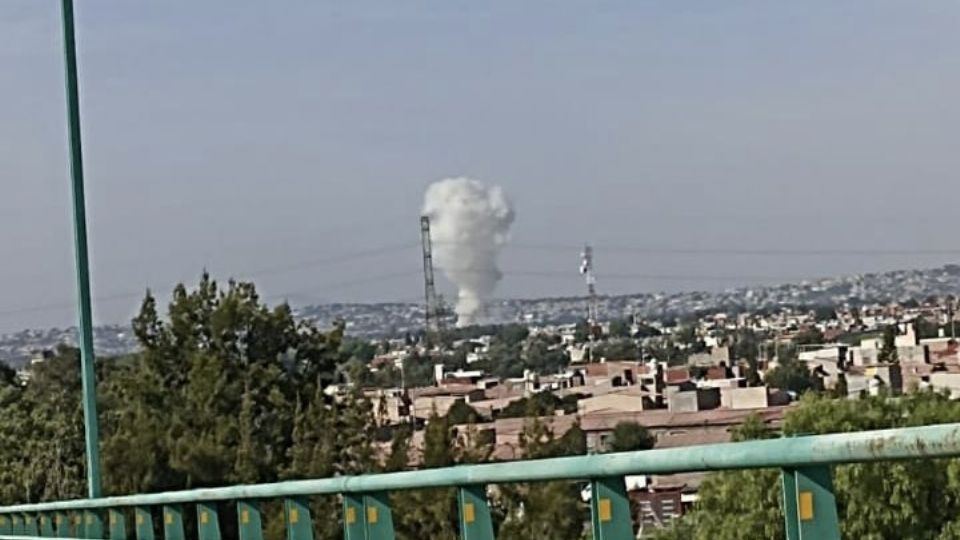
point(917, 499)
point(791, 374)
point(630, 436)
point(545, 509)
point(228, 391)
point(888, 348)
point(540, 404)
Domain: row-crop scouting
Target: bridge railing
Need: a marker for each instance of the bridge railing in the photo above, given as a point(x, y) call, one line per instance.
point(809, 504)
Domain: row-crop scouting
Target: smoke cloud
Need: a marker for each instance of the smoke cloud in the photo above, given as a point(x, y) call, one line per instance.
point(469, 224)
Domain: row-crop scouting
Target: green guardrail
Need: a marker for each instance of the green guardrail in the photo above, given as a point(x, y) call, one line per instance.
point(809, 503)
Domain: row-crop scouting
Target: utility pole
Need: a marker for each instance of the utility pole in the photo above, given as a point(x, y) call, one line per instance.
point(87, 358)
point(951, 307)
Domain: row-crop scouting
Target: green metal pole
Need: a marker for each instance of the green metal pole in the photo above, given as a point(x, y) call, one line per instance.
point(87, 359)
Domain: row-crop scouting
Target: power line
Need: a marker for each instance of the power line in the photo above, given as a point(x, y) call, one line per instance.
point(309, 263)
point(544, 274)
point(734, 251)
point(346, 284)
point(330, 261)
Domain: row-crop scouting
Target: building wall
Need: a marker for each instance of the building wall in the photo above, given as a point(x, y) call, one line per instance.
point(694, 400)
point(948, 381)
point(423, 407)
point(744, 398)
point(613, 402)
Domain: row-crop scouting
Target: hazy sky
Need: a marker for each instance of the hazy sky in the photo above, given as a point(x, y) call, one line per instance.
point(291, 142)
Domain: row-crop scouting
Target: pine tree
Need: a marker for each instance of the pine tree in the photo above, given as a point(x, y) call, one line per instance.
point(430, 513)
point(544, 509)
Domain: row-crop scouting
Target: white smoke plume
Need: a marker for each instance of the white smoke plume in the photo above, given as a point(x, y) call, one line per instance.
point(469, 224)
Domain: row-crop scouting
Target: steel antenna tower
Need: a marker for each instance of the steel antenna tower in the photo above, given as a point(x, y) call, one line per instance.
point(433, 313)
point(586, 268)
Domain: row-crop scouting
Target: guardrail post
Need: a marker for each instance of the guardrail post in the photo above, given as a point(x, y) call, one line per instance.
point(610, 509)
point(117, 524)
point(367, 517)
point(248, 516)
point(378, 517)
point(809, 505)
point(475, 522)
point(62, 525)
point(353, 526)
point(296, 511)
point(173, 522)
point(76, 524)
point(30, 525)
point(788, 481)
point(208, 522)
point(93, 524)
point(143, 523)
point(46, 525)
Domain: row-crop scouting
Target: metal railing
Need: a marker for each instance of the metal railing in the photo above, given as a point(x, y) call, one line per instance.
point(809, 503)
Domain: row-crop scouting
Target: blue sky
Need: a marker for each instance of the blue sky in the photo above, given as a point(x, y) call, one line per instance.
point(280, 140)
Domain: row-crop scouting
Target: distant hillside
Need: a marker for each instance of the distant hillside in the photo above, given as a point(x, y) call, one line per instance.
point(896, 286)
point(392, 319)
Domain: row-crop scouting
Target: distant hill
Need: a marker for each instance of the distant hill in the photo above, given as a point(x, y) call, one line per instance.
point(393, 319)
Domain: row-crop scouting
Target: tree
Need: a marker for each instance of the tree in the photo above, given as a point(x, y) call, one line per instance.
point(617, 349)
point(619, 328)
point(825, 313)
point(629, 436)
point(917, 499)
point(791, 374)
point(430, 513)
point(539, 404)
point(546, 509)
point(581, 331)
point(925, 329)
point(888, 350)
point(461, 413)
point(810, 335)
point(544, 356)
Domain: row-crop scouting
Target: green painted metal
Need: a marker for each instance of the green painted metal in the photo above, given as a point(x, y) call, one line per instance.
point(16, 527)
point(249, 520)
point(610, 509)
point(353, 521)
point(377, 516)
point(31, 527)
point(173, 522)
point(296, 511)
point(76, 525)
point(87, 358)
point(810, 504)
point(788, 483)
point(62, 524)
point(47, 529)
point(143, 523)
point(883, 445)
point(367, 517)
point(475, 520)
point(6, 526)
point(117, 523)
point(208, 522)
point(92, 524)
